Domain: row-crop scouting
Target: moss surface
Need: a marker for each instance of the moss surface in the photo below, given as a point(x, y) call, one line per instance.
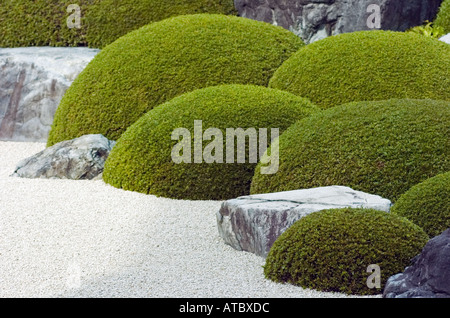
point(380, 147)
point(367, 65)
point(427, 204)
point(142, 158)
point(330, 250)
point(165, 59)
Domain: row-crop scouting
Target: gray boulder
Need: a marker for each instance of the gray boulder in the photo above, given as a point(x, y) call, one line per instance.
point(253, 223)
point(429, 274)
point(80, 158)
point(316, 19)
point(32, 83)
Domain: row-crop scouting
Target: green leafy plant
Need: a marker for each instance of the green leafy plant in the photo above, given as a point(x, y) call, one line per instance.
point(330, 250)
point(142, 158)
point(429, 29)
point(427, 204)
point(165, 59)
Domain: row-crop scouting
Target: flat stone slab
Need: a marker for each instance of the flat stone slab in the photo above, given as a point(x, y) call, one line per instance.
point(32, 82)
point(253, 223)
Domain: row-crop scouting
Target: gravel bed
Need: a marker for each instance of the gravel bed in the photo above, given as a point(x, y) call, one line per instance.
point(66, 238)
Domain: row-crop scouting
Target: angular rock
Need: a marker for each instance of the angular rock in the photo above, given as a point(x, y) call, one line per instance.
point(429, 274)
point(253, 223)
point(32, 83)
point(316, 19)
point(80, 158)
point(445, 38)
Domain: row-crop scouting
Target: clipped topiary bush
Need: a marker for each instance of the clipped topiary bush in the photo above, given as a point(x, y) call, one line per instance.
point(331, 250)
point(427, 204)
point(142, 158)
point(380, 147)
point(367, 65)
point(443, 17)
point(108, 20)
point(40, 23)
point(163, 60)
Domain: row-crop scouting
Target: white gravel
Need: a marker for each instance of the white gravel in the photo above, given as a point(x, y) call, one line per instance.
point(65, 238)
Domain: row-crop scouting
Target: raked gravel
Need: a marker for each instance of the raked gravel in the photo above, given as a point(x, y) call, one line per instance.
point(66, 238)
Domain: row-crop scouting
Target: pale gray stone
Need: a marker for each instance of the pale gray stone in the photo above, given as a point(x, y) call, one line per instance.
point(32, 83)
point(79, 158)
point(315, 19)
point(253, 223)
point(445, 38)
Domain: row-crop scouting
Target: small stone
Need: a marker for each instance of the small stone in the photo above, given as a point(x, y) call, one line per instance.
point(80, 158)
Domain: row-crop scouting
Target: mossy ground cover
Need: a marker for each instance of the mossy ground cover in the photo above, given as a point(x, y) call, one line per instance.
point(108, 20)
point(331, 250)
point(379, 147)
point(165, 59)
point(142, 158)
point(367, 65)
point(427, 204)
point(443, 16)
point(44, 22)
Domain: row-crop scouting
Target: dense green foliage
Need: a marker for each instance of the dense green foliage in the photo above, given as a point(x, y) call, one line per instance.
point(330, 250)
point(142, 158)
point(165, 59)
point(427, 204)
point(367, 65)
point(43, 22)
point(107, 20)
point(40, 23)
point(443, 17)
point(380, 147)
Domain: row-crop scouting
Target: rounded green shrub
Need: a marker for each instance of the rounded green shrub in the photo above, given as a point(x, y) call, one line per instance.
point(427, 204)
point(142, 160)
point(40, 23)
point(367, 65)
point(379, 147)
point(108, 20)
point(331, 250)
point(443, 17)
point(165, 59)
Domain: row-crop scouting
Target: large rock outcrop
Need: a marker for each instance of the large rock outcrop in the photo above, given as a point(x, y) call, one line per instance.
point(316, 19)
point(32, 83)
point(81, 158)
point(253, 223)
point(429, 274)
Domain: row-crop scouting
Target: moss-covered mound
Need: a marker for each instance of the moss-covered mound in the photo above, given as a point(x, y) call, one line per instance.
point(367, 65)
point(427, 204)
point(331, 250)
point(165, 59)
point(380, 147)
point(443, 17)
point(142, 158)
point(108, 20)
point(40, 23)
